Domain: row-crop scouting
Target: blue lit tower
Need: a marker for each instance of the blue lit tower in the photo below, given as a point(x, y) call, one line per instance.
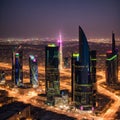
point(17, 66)
point(83, 85)
point(52, 72)
point(112, 64)
point(33, 70)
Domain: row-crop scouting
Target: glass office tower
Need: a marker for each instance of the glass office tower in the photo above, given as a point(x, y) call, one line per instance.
point(33, 65)
point(112, 64)
point(52, 72)
point(17, 65)
point(83, 77)
point(18, 70)
point(74, 61)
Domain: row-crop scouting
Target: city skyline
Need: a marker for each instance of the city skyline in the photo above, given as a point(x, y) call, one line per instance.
point(46, 18)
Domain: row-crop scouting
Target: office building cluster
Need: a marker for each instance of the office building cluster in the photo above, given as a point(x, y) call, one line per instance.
point(17, 68)
point(83, 73)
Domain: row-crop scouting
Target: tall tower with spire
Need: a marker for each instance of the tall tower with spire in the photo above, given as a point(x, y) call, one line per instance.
point(83, 92)
point(113, 43)
point(60, 52)
point(112, 64)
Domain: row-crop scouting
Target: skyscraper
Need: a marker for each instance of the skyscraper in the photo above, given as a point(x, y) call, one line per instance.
point(18, 70)
point(93, 76)
point(17, 63)
point(74, 60)
point(52, 72)
point(33, 71)
point(112, 64)
point(82, 76)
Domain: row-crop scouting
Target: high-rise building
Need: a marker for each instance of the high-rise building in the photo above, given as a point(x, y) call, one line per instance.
point(17, 64)
point(83, 77)
point(93, 76)
point(112, 64)
point(18, 70)
point(33, 71)
point(74, 60)
point(52, 72)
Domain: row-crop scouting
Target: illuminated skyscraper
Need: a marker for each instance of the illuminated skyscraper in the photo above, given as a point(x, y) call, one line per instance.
point(17, 63)
point(52, 72)
point(82, 78)
point(112, 64)
point(18, 70)
point(33, 71)
point(74, 61)
point(60, 52)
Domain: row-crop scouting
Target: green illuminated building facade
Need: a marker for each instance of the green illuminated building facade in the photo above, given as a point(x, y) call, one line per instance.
point(52, 72)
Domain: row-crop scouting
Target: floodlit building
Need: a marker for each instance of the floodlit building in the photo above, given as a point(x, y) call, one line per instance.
point(52, 76)
point(112, 64)
point(83, 75)
point(33, 65)
point(17, 66)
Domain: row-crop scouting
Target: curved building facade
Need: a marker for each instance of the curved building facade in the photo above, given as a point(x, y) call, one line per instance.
point(82, 74)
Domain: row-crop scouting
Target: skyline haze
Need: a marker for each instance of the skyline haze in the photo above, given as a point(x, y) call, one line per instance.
point(45, 18)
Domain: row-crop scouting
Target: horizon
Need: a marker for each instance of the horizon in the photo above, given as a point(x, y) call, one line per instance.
point(26, 19)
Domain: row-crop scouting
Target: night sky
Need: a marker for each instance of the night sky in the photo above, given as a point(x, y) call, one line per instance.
point(46, 18)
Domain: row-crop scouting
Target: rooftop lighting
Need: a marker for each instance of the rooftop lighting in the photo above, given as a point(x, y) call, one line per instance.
point(32, 57)
point(17, 54)
point(75, 54)
point(51, 45)
point(109, 59)
point(93, 59)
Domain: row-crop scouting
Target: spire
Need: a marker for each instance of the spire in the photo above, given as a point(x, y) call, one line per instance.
point(83, 48)
point(61, 54)
point(113, 42)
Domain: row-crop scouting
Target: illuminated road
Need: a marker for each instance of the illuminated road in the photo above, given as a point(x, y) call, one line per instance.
point(109, 114)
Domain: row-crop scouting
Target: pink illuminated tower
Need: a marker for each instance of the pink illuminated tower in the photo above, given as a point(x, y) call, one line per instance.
point(61, 56)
